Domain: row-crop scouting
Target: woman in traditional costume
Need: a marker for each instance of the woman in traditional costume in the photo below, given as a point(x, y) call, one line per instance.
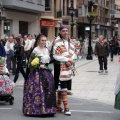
point(39, 90)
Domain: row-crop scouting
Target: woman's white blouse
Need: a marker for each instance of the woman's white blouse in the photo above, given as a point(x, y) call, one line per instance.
point(45, 58)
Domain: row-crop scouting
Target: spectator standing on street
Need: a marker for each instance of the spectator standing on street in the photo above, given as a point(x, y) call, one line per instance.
point(2, 50)
point(63, 52)
point(102, 52)
point(118, 46)
point(22, 40)
point(27, 47)
point(19, 57)
point(9, 48)
point(112, 47)
point(3, 40)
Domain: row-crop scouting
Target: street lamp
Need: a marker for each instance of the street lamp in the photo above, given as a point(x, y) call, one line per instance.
point(60, 23)
point(90, 17)
point(72, 12)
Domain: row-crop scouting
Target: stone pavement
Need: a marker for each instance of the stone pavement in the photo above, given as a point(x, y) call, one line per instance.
point(89, 84)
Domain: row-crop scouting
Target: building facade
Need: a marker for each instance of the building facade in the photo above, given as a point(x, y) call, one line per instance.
point(101, 24)
point(21, 16)
point(117, 16)
point(56, 14)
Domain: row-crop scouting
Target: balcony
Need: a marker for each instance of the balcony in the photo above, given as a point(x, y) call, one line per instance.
point(107, 22)
point(76, 12)
point(58, 13)
point(24, 6)
point(47, 15)
point(107, 5)
point(95, 2)
point(96, 20)
point(47, 9)
point(80, 19)
point(107, 14)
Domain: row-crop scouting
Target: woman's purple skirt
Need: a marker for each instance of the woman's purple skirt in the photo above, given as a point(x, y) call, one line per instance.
point(39, 93)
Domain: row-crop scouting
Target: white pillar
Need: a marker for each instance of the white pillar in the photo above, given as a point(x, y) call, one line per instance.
point(15, 27)
point(119, 28)
point(2, 27)
point(34, 27)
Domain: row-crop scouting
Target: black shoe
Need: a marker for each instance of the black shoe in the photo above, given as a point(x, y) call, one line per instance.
point(69, 93)
point(13, 73)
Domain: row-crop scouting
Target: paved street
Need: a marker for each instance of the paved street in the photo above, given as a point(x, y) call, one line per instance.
point(92, 99)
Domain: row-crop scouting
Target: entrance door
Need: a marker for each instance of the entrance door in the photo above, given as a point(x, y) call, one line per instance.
point(23, 27)
point(81, 31)
point(44, 31)
point(7, 28)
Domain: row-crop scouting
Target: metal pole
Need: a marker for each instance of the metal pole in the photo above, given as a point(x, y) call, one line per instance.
point(89, 56)
point(72, 18)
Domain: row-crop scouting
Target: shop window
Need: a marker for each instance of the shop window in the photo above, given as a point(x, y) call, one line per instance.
point(48, 5)
point(7, 28)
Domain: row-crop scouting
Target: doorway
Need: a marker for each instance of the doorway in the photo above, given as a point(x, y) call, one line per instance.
point(23, 28)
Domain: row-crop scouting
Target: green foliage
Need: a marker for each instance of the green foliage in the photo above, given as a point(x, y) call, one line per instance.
point(36, 64)
point(73, 23)
point(2, 59)
point(32, 57)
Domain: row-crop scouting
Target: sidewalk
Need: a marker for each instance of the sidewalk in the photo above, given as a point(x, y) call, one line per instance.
point(91, 85)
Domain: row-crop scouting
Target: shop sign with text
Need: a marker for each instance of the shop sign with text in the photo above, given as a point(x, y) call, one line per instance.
point(48, 23)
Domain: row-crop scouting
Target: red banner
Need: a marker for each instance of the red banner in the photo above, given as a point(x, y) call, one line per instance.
point(48, 23)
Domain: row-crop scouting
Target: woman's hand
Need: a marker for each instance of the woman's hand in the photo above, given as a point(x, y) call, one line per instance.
point(68, 64)
point(71, 60)
point(42, 66)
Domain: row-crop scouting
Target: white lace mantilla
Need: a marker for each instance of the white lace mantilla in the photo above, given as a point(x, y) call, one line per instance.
point(45, 58)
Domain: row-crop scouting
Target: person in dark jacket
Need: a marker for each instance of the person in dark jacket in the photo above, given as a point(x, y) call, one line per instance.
point(102, 52)
point(19, 55)
point(116, 45)
point(112, 47)
point(2, 50)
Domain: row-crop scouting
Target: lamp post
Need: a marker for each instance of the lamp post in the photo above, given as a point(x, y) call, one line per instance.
point(90, 17)
point(72, 12)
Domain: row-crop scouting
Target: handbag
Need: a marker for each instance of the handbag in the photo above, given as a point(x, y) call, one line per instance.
point(117, 101)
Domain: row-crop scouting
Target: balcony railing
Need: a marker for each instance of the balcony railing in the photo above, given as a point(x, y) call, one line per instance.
point(76, 12)
point(47, 9)
point(95, 2)
point(58, 13)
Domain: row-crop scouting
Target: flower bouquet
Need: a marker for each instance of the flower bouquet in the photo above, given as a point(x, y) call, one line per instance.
point(2, 64)
point(35, 62)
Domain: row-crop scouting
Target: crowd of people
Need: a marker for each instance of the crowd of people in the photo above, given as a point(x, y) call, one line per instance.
point(41, 86)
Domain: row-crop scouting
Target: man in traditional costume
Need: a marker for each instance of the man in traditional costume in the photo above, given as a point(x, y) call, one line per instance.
point(63, 52)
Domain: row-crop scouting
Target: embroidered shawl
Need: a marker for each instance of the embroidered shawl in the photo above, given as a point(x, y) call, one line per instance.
point(61, 50)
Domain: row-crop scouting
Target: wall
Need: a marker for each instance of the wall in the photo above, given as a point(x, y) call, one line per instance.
point(33, 20)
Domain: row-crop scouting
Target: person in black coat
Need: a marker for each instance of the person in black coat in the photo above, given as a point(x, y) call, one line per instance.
point(112, 47)
point(19, 55)
point(2, 50)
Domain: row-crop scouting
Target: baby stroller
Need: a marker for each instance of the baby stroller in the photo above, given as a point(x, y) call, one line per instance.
point(6, 89)
point(6, 84)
